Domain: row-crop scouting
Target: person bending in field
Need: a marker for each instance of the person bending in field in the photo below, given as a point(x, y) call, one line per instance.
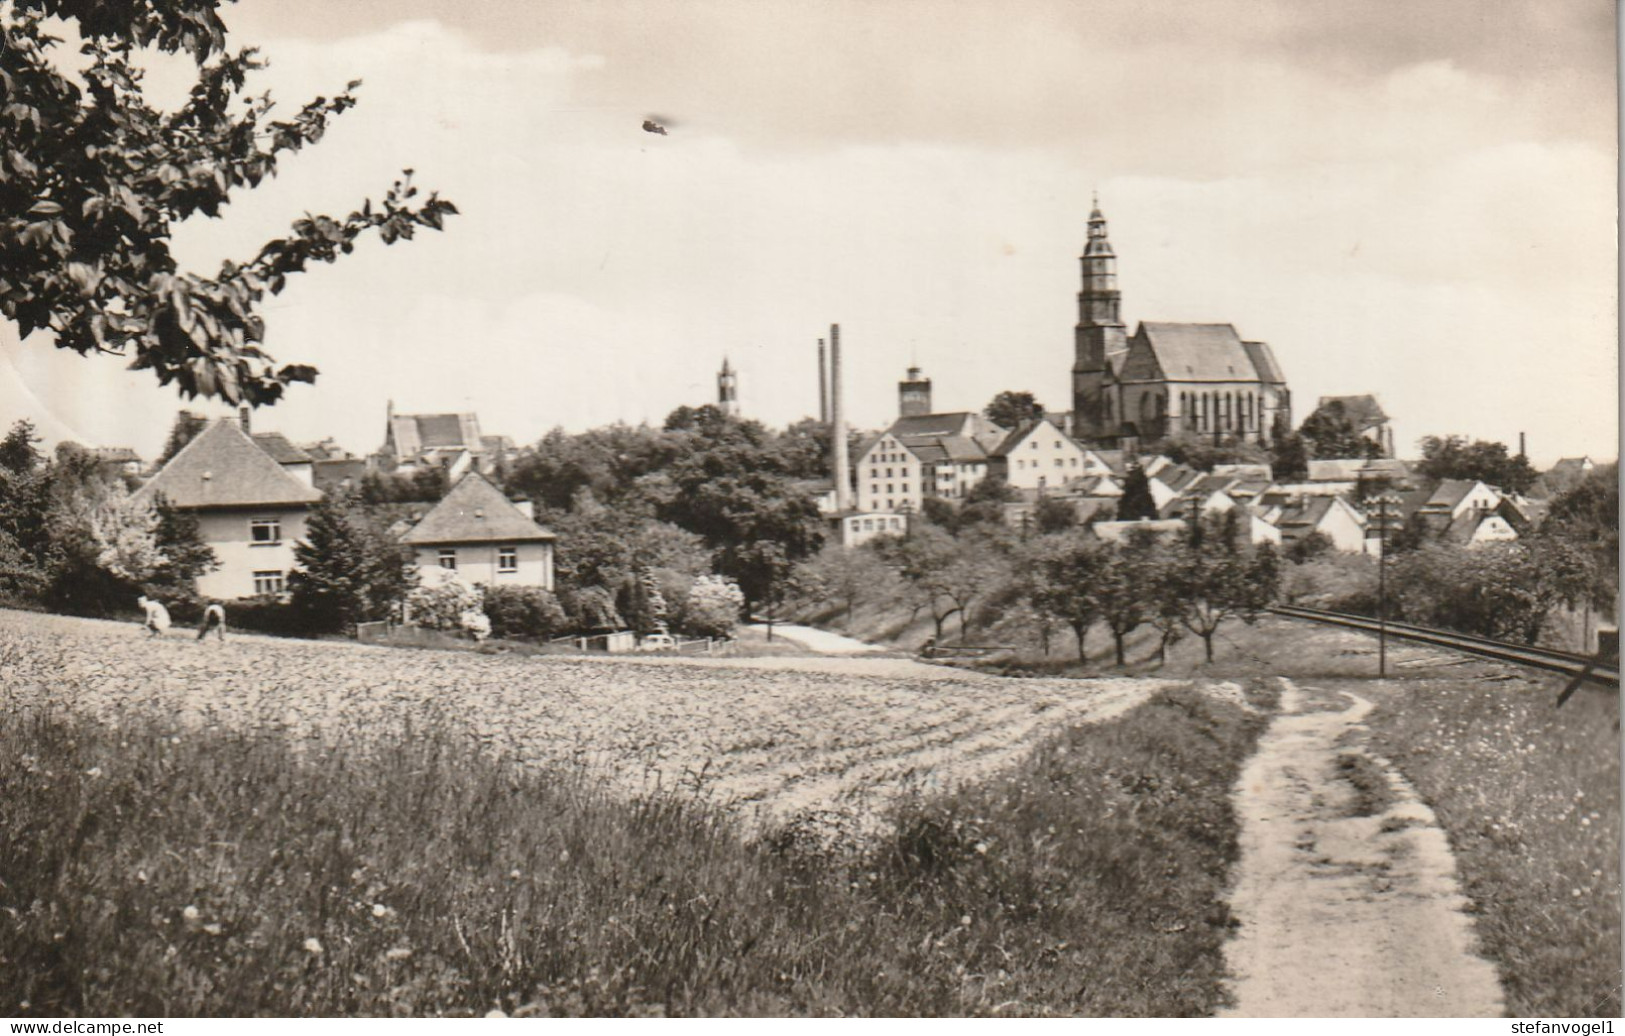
point(157, 620)
point(214, 618)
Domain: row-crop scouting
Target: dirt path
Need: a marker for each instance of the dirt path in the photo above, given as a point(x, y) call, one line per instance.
point(1342, 914)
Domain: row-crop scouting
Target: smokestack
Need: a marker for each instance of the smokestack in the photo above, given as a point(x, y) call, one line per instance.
point(823, 384)
point(244, 418)
point(841, 463)
point(1521, 452)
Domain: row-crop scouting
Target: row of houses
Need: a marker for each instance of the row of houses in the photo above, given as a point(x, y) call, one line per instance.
point(252, 494)
point(921, 456)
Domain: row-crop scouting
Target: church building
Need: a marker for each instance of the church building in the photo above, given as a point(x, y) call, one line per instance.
point(1166, 379)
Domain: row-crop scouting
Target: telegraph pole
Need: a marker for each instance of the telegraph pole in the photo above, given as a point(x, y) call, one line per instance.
point(1383, 502)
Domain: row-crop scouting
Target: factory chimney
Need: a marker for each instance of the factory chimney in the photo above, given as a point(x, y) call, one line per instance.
point(840, 463)
point(823, 384)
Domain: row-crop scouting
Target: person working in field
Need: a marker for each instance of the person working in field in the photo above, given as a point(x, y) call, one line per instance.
point(214, 618)
point(157, 620)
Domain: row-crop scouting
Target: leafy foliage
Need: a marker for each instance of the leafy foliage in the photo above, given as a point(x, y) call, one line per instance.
point(712, 607)
point(350, 569)
point(94, 181)
point(523, 611)
point(1329, 432)
point(1452, 456)
point(1136, 501)
point(1009, 409)
point(186, 427)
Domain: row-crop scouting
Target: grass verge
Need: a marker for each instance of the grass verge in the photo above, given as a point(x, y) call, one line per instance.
point(156, 871)
point(1530, 797)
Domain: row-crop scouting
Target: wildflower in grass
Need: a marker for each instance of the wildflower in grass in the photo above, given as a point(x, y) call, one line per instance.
point(965, 920)
point(190, 913)
point(313, 946)
point(398, 953)
point(496, 1012)
point(213, 928)
point(379, 910)
point(94, 771)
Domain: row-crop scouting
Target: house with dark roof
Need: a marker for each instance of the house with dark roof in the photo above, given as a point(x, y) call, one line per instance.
point(1331, 516)
point(250, 509)
point(294, 460)
point(1167, 378)
point(482, 536)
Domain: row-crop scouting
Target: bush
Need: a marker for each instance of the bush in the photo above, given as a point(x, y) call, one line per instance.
point(712, 608)
point(523, 611)
point(267, 615)
point(453, 605)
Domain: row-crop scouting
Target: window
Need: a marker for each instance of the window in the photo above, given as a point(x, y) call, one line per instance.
point(897, 523)
point(266, 583)
point(1035, 446)
point(507, 559)
point(265, 532)
point(888, 473)
point(1059, 462)
point(448, 558)
point(868, 525)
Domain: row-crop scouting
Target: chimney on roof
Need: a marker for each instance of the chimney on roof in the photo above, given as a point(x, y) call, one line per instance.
point(245, 418)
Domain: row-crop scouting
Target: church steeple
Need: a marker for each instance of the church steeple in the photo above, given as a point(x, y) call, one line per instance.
point(728, 390)
point(1100, 339)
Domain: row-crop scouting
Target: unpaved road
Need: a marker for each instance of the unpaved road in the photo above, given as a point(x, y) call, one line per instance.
point(1344, 915)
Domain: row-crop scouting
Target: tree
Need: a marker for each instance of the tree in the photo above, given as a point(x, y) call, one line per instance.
point(1051, 515)
point(351, 569)
point(1218, 577)
point(522, 611)
point(849, 578)
point(1452, 456)
point(1009, 409)
point(94, 181)
point(185, 428)
point(1072, 568)
point(1136, 501)
point(712, 608)
point(1203, 453)
point(924, 559)
point(185, 555)
point(1289, 458)
point(1120, 589)
point(19, 453)
point(1330, 432)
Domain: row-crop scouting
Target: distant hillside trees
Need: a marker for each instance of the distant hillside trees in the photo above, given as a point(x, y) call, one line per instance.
point(1452, 456)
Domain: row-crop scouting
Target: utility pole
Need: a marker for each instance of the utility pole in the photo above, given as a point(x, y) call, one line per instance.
point(1383, 502)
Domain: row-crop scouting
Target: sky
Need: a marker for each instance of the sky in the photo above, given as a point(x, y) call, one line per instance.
point(1411, 198)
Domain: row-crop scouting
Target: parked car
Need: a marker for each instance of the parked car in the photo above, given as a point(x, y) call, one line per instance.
point(658, 642)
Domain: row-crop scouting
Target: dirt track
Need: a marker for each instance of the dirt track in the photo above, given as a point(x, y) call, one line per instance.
point(1344, 915)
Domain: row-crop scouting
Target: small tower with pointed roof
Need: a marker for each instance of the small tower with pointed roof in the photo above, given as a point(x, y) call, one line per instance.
point(1101, 339)
point(728, 390)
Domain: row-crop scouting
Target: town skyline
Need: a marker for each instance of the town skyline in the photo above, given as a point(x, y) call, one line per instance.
point(1415, 217)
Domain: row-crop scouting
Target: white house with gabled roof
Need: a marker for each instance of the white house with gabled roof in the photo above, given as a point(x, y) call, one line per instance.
point(250, 509)
point(487, 539)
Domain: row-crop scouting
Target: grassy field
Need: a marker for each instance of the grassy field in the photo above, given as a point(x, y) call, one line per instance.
point(1528, 794)
point(1531, 798)
point(158, 867)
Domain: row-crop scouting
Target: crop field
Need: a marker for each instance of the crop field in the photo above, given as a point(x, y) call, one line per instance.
point(769, 738)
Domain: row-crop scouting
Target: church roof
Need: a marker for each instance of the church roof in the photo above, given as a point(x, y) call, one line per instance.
point(414, 433)
point(223, 467)
point(475, 511)
point(1263, 358)
point(1188, 352)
